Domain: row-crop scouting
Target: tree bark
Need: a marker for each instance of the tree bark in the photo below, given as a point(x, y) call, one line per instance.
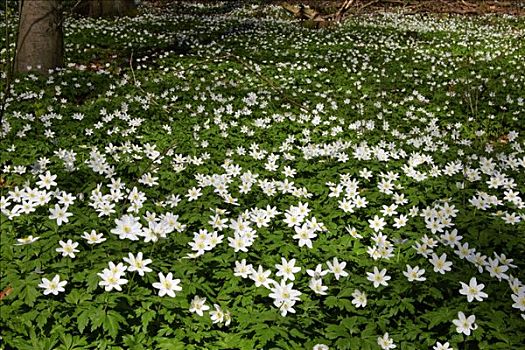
point(107, 8)
point(40, 44)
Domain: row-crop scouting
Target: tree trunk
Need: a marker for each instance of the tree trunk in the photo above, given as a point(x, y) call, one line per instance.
point(108, 8)
point(40, 43)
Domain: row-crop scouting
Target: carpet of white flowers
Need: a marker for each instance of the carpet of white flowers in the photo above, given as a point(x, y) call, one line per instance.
point(213, 177)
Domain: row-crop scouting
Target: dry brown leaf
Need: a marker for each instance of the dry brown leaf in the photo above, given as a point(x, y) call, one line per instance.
point(8, 290)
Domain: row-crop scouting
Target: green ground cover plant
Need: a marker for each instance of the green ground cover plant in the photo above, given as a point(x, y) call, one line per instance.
point(202, 176)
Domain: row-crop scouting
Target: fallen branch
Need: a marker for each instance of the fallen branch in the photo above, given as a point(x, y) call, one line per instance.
point(306, 13)
point(302, 12)
point(343, 9)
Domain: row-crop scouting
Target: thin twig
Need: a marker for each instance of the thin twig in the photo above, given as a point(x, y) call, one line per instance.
point(132, 70)
point(70, 11)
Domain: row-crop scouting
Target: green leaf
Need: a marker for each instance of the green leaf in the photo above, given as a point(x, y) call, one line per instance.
point(407, 303)
point(172, 344)
point(134, 342)
point(83, 320)
point(344, 343)
point(146, 319)
point(77, 296)
point(21, 344)
point(67, 341)
point(265, 335)
point(354, 343)
point(349, 323)
point(296, 333)
point(97, 317)
point(334, 331)
point(43, 318)
point(165, 330)
point(369, 331)
point(29, 294)
point(346, 304)
point(92, 281)
point(437, 317)
point(331, 301)
point(345, 292)
point(111, 323)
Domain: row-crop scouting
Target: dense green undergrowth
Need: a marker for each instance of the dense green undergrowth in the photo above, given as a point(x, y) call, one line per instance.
point(295, 183)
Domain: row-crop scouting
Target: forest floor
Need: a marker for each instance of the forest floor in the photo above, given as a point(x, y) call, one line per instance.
point(209, 175)
point(516, 8)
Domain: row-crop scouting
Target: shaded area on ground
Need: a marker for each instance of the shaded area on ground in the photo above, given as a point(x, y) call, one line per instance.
point(415, 6)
